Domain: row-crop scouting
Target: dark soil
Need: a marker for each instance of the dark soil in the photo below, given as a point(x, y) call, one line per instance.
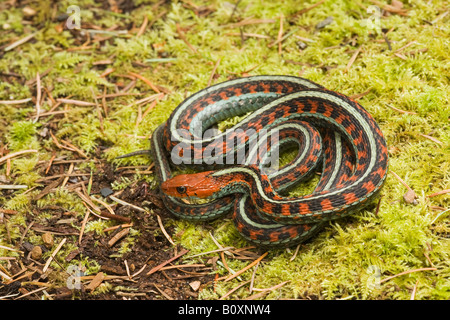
point(150, 249)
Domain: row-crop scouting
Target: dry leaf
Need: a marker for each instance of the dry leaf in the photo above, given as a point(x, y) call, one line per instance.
point(195, 285)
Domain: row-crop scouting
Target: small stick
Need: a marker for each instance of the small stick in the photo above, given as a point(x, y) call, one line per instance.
point(439, 215)
point(182, 266)
point(406, 46)
point(105, 107)
point(406, 272)
point(59, 145)
point(253, 277)
point(5, 276)
point(352, 60)
point(148, 82)
point(413, 294)
point(98, 279)
point(13, 186)
point(19, 42)
point(15, 101)
point(69, 172)
point(99, 113)
point(139, 271)
point(25, 233)
point(208, 252)
point(15, 154)
point(428, 258)
point(295, 253)
point(75, 102)
point(126, 225)
point(265, 291)
point(143, 26)
point(127, 204)
point(161, 226)
point(440, 17)
point(98, 215)
point(119, 94)
point(162, 292)
point(81, 153)
point(222, 256)
point(360, 95)
point(103, 203)
point(47, 264)
point(50, 163)
point(280, 34)
point(127, 268)
point(250, 21)
point(279, 40)
point(401, 111)
point(83, 225)
point(302, 11)
point(183, 37)
point(118, 236)
point(400, 179)
point(234, 289)
point(150, 108)
point(107, 72)
point(431, 138)
point(401, 56)
point(219, 245)
point(8, 167)
point(378, 206)
point(107, 215)
point(31, 292)
point(87, 200)
point(271, 288)
point(147, 99)
point(38, 97)
point(213, 72)
point(158, 267)
point(247, 35)
point(439, 193)
point(247, 267)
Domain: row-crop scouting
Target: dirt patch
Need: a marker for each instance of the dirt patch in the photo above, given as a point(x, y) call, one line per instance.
point(124, 275)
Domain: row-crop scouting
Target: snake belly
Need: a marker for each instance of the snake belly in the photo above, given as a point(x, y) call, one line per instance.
point(331, 130)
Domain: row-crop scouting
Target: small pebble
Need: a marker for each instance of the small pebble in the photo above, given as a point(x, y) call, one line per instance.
point(301, 45)
point(195, 285)
point(410, 197)
point(28, 11)
point(324, 23)
point(106, 192)
point(36, 253)
point(48, 239)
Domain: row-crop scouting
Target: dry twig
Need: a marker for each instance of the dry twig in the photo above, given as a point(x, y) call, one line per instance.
point(158, 267)
point(406, 272)
point(247, 267)
point(47, 264)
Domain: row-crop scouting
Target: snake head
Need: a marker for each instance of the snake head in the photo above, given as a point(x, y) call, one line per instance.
point(201, 185)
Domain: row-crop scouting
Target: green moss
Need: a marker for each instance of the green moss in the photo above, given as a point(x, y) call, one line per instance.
point(21, 135)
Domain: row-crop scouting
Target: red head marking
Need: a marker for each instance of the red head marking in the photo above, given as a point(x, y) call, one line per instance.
point(201, 185)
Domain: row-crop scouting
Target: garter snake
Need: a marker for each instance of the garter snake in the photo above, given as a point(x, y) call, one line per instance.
point(330, 130)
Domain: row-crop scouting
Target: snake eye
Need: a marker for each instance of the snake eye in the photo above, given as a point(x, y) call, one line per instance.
point(181, 189)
